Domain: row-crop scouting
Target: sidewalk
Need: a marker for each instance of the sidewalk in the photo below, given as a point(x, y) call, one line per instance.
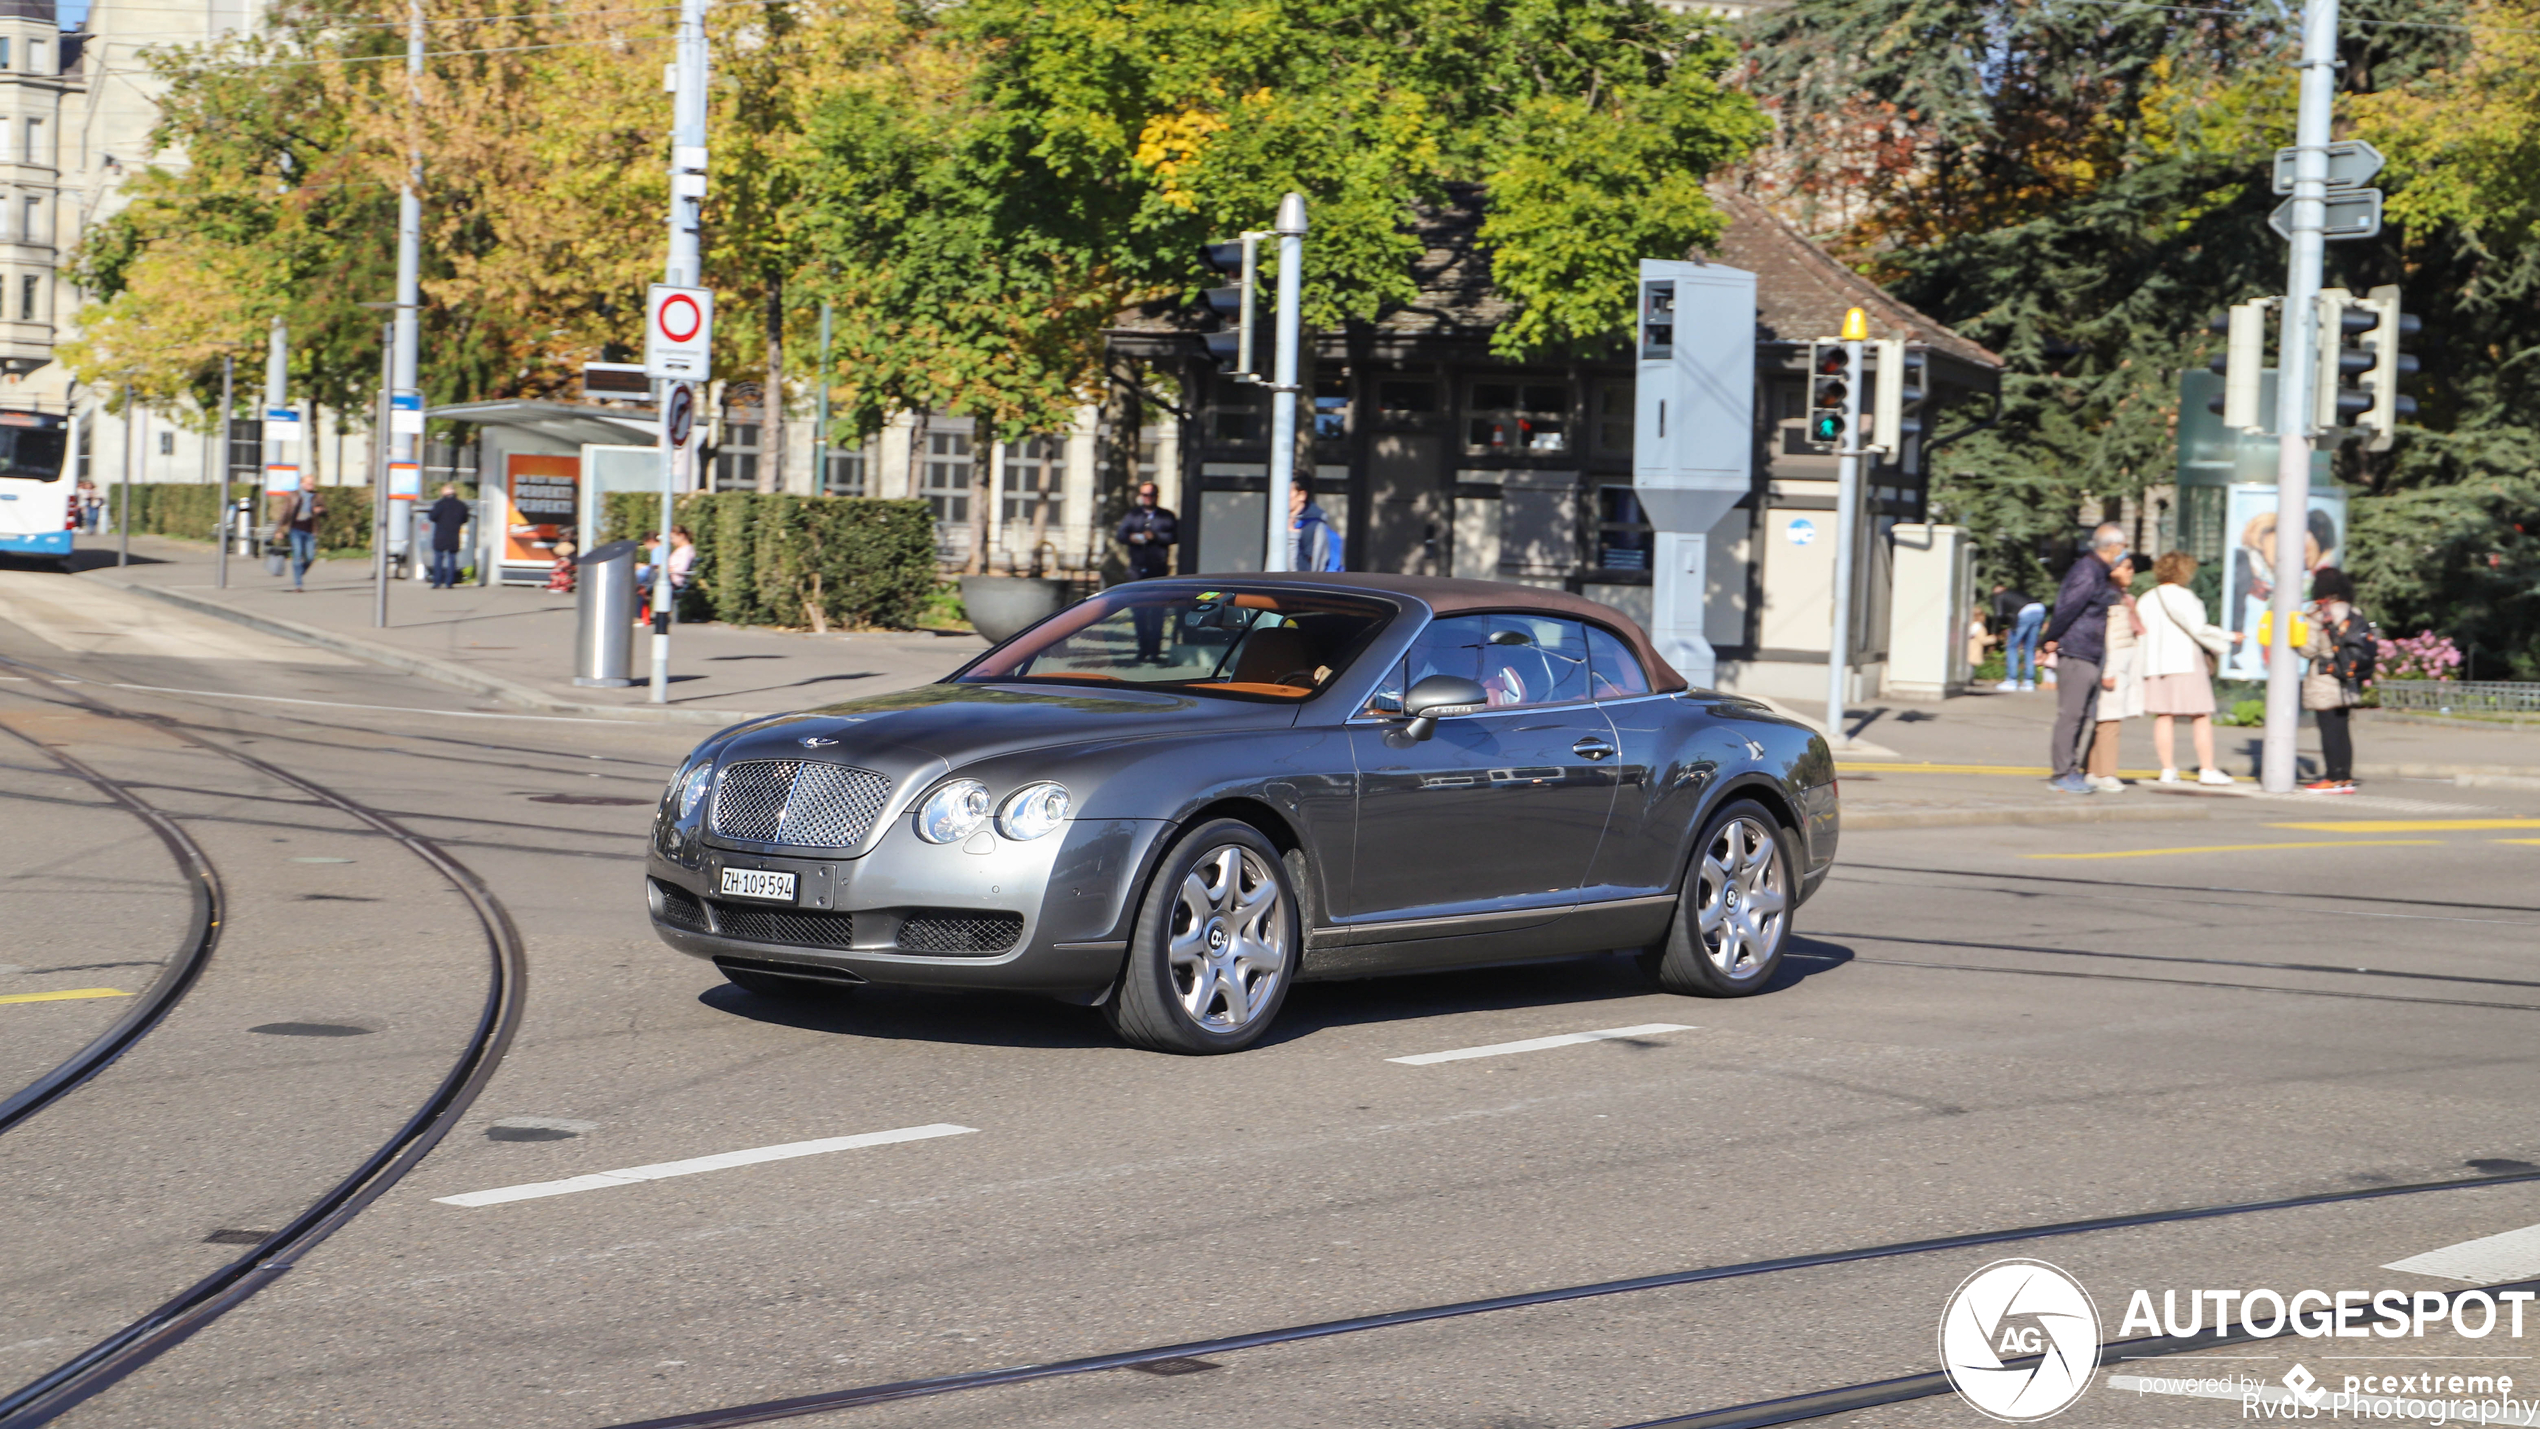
point(516, 643)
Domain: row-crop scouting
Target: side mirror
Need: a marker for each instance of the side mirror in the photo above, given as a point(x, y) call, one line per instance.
point(1439, 696)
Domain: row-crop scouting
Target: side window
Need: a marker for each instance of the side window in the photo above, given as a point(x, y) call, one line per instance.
point(1452, 646)
point(1614, 672)
point(1534, 660)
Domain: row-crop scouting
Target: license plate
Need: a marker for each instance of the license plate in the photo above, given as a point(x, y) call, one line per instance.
point(758, 883)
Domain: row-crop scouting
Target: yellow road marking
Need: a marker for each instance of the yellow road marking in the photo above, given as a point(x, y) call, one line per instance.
point(2239, 848)
point(2011, 771)
point(2410, 826)
point(65, 996)
point(2514, 841)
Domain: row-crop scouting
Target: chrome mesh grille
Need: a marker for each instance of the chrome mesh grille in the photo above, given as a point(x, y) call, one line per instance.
point(798, 801)
point(784, 925)
point(960, 933)
point(680, 908)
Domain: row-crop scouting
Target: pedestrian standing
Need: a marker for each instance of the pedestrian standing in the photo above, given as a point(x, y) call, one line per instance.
point(2341, 649)
point(2120, 680)
point(297, 524)
point(89, 503)
point(2078, 634)
point(1149, 531)
point(2177, 655)
point(448, 517)
point(1318, 546)
point(2022, 619)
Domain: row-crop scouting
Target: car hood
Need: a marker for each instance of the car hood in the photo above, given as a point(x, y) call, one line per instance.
point(959, 724)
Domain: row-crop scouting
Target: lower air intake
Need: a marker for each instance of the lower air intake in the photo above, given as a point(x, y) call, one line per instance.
point(784, 925)
point(960, 934)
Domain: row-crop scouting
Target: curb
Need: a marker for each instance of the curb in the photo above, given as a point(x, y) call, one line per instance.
point(1868, 820)
point(2467, 776)
point(444, 672)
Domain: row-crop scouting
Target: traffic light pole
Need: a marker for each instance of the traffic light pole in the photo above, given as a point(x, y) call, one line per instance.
point(2296, 373)
point(1847, 514)
point(1278, 548)
point(403, 369)
point(684, 270)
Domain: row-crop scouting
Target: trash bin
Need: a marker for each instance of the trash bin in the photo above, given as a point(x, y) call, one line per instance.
point(605, 594)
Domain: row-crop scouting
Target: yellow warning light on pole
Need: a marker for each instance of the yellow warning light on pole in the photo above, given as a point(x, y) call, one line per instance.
point(1856, 325)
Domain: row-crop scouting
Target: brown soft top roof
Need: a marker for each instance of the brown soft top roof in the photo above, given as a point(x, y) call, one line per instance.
point(1448, 596)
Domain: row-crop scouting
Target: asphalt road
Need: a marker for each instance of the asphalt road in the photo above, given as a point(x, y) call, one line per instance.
point(1981, 1028)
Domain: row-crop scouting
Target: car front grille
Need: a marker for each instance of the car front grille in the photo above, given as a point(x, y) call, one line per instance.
point(680, 908)
point(960, 934)
point(784, 925)
point(798, 801)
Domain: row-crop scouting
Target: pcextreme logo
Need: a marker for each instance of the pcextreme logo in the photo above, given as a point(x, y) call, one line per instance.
point(2019, 1340)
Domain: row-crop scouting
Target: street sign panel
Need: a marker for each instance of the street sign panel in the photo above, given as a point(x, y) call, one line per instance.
point(2352, 213)
point(682, 416)
point(282, 425)
point(2351, 165)
point(405, 414)
point(679, 333)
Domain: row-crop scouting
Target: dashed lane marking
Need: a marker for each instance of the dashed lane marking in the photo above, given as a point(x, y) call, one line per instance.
point(66, 995)
point(599, 1180)
point(2239, 848)
point(2488, 1260)
point(1538, 1044)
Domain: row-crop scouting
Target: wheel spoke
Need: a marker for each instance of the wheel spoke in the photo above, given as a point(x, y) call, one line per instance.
point(1198, 899)
point(1764, 901)
point(1230, 872)
point(1709, 915)
point(1238, 996)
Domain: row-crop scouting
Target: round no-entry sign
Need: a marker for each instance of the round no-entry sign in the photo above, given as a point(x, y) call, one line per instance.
point(682, 416)
point(679, 317)
point(679, 334)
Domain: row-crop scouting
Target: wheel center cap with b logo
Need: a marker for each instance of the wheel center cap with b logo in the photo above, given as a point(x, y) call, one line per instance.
point(1217, 937)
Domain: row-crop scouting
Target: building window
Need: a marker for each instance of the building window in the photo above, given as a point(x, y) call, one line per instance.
point(1623, 539)
point(845, 476)
point(736, 461)
point(1614, 417)
point(1331, 407)
point(26, 298)
point(167, 443)
point(1238, 426)
point(1406, 397)
point(34, 210)
point(35, 141)
point(4, 52)
point(946, 485)
point(35, 57)
point(1511, 419)
point(1033, 470)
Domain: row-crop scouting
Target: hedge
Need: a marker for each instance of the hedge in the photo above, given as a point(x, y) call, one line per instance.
point(796, 560)
point(190, 510)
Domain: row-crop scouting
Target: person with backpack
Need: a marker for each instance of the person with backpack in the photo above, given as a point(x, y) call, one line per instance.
point(2342, 649)
point(1318, 546)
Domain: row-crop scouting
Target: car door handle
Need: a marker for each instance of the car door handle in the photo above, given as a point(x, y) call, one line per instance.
point(1592, 748)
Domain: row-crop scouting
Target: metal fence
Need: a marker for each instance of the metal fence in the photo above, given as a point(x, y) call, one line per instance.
point(2460, 696)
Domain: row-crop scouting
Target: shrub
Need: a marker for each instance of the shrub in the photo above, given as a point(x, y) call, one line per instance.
point(190, 510)
point(2425, 656)
point(796, 560)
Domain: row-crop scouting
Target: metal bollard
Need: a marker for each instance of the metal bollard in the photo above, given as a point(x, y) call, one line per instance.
point(604, 590)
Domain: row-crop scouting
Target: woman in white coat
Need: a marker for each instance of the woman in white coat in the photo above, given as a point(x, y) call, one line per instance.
point(2172, 661)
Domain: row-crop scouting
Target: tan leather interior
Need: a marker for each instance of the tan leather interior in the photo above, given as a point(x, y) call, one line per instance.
point(1275, 655)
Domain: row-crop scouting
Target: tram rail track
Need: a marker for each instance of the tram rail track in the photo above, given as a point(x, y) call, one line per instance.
point(102, 1364)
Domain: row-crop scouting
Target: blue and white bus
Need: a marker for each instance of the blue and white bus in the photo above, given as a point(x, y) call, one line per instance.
point(38, 500)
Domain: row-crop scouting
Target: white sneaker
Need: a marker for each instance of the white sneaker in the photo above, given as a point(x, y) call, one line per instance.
point(2107, 784)
point(2028, 685)
point(2008, 685)
point(2169, 776)
point(2213, 776)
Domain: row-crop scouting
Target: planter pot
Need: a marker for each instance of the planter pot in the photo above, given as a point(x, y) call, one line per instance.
point(1001, 607)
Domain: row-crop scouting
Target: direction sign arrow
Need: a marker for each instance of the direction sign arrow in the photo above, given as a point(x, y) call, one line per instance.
point(2351, 165)
point(2352, 213)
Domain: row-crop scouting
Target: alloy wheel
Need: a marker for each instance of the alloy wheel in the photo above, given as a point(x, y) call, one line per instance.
point(1228, 946)
point(1743, 906)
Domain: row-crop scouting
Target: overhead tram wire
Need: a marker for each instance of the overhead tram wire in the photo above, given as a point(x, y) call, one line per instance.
point(101, 1365)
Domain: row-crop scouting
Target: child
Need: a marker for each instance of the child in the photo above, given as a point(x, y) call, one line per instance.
point(560, 576)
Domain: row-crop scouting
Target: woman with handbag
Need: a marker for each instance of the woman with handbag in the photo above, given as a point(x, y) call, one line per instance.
point(2176, 658)
point(2334, 685)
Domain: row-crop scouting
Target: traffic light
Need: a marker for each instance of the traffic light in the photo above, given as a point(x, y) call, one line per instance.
point(1232, 347)
point(1829, 395)
point(2337, 392)
point(2240, 362)
point(1896, 411)
point(2380, 421)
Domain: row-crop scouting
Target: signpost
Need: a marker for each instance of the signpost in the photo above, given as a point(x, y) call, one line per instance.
point(679, 333)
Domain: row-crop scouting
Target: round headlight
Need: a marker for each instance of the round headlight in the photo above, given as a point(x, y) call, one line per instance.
point(692, 789)
point(1033, 810)
point(953, 812)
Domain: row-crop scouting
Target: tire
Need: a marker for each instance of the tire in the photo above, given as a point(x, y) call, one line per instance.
point(1733, 918)
point(1215, 946)
point(780, 987)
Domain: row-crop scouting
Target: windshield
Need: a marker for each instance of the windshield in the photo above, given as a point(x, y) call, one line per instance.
point(1264, 645)
point(31, 453)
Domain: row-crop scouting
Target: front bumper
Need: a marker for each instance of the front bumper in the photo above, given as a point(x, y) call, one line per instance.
point(1047, 916)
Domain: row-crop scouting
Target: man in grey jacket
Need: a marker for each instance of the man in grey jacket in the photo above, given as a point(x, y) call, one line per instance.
point(2078, 634)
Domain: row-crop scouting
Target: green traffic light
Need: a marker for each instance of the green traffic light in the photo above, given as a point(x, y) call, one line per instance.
point(1827, 428)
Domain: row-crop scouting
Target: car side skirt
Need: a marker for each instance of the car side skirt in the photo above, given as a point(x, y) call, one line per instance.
point(1484, 940)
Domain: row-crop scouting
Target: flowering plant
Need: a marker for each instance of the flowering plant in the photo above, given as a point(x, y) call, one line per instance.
point(2424, 656)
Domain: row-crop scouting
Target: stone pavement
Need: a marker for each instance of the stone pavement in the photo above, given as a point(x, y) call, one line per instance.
point(516, 643)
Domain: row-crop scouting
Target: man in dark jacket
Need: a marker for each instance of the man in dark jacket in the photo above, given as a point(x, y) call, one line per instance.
point(2078, 635)
point(1149, 532)
point(448, 517)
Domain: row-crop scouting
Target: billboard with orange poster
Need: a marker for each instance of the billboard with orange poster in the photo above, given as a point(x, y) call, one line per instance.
point(542, 494)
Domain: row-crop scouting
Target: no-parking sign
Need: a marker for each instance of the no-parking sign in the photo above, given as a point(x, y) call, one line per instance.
point(678, 333)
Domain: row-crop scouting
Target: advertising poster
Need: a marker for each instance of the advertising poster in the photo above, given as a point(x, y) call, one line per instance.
point(2249, 564)
point(542, 492)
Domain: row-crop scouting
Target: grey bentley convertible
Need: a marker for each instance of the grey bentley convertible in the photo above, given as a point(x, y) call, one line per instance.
point(1176, 799)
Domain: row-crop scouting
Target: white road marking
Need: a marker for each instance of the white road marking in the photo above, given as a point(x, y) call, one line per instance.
point(598, 1180)
point(2488, 1260)
point(1537, 1044)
